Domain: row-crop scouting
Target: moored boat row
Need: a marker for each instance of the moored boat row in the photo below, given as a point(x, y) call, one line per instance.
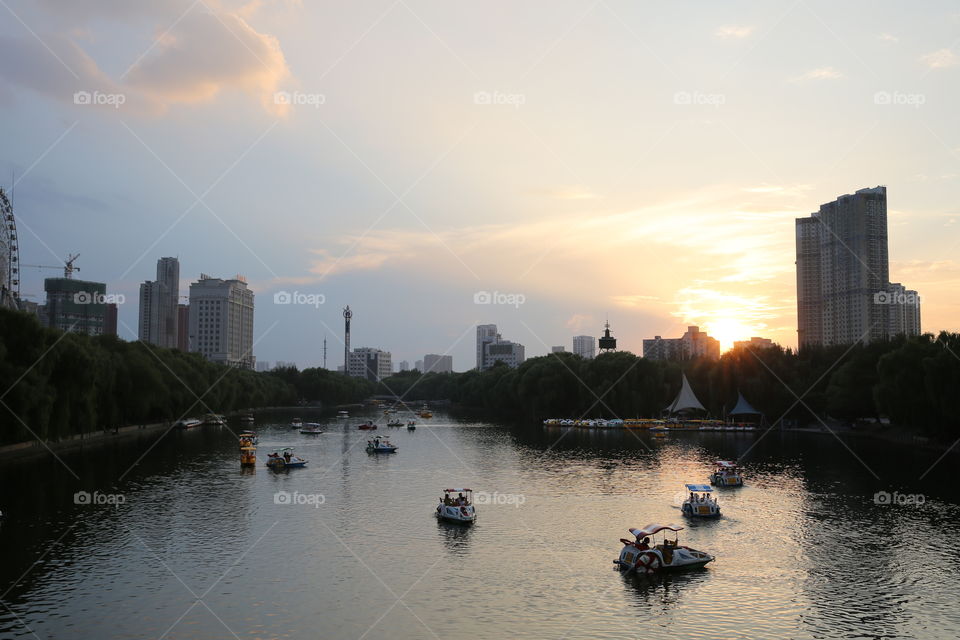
point(650, 424)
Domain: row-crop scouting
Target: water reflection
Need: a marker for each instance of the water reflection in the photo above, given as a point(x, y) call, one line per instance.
point(802, 550)
point(663, 591)
point(455, 536)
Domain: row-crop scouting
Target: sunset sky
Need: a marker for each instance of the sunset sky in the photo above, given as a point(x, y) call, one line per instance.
point(638, 161)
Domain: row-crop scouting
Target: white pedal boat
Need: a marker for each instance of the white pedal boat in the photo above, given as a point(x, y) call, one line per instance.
point(700, 504)
point(648, 558)
point(726, 474)
point(456, 505)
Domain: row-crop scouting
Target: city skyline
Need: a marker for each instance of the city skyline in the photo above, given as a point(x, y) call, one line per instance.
point(681, 217)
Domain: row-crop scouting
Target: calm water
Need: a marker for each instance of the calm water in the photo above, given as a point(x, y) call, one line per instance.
point(200, 549)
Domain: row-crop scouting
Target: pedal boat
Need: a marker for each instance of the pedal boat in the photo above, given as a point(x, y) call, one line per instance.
point(641, 556)
point(700, 504)
point(456, 505)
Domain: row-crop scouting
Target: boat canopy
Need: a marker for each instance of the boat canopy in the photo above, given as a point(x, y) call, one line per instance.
point(743, 407)
point(456, 490)
point(686, 399)
point(651, 529)
point(699, 487)
point(726, 464)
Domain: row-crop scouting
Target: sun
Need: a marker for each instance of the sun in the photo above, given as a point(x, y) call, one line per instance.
point(727, 331)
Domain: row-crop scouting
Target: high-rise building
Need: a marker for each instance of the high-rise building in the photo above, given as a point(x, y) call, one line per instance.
point(168, 275)
point(75, 305)
point(585, 346)
point(183, 327)
point(559, 349)
point(404, 365)
point(843, 286)
point(221, 320)
point(158, 321)
point(110, 319)
point(418, 366)
point(369, 363)
point(903, 310)
point(433, 363)
point(486, 333)
point(263, 365)
point(692, 344)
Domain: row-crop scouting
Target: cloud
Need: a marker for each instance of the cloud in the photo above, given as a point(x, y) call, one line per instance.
point(578, 321)
point(822, 73)
point(207, 52)
point(733, 31)
point(886, 37)
point(940, 59)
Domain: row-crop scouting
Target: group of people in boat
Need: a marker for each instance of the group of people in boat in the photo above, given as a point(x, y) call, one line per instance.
point(286, 456)
point(459, 501)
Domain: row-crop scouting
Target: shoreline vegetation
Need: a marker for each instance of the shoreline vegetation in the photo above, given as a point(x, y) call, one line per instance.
point(61, 388)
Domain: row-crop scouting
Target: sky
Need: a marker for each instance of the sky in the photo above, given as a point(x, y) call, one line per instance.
point(544, 166)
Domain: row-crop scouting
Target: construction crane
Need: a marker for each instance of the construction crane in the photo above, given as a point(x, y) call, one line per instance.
point(67, 267)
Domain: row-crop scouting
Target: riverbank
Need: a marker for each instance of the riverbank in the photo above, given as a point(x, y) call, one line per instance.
point(37, 448)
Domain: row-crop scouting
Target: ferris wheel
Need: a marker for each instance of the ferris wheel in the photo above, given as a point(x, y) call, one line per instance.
point(9, 256)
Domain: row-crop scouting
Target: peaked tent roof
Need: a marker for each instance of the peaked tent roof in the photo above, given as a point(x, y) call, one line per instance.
point(685, 399)
point(743, 407)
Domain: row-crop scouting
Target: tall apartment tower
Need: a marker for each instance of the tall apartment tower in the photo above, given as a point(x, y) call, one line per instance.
point(433, 363)
point(486, 333)
point(168, 275)
point(221, 320)
point(843, 272)
point(159, 319)
point(585, 346)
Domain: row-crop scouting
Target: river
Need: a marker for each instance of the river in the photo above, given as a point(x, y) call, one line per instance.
point(185, 544)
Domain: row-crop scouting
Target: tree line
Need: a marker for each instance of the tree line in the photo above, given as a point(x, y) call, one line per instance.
point(912, 381)
point(55, 384)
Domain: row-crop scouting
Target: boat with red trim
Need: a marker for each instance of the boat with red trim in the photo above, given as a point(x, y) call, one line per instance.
point(457, 508)
point(647, 558)
point(726, 474)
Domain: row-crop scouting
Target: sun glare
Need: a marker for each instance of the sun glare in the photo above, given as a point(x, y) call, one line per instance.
point(727, 331)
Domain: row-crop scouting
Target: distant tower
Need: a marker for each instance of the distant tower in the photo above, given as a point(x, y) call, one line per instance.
point(607, 342)
point(347, 314)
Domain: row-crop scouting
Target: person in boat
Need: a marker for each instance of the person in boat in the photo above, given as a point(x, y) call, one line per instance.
point(644, 544)
point(286, 456)
point(461, 501)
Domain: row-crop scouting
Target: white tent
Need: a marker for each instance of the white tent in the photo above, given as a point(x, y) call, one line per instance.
point(743, 408)
point(685, 399)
